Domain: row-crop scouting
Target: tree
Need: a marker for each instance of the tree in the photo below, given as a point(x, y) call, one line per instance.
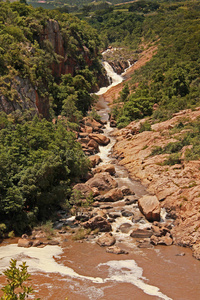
point(16, 289)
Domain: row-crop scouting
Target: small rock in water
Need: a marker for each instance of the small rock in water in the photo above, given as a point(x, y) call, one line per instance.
point(141, 233)
point(114, 214)
point(24, 243)
point(130, 200)
point(145, 244)
point(116, 250)
point(127, 213)
point(125, 190)
point(180, 254)
point(125, 227)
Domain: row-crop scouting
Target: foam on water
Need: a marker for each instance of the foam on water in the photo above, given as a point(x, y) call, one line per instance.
point(128, 271)
point(42, 260)
point(39, 260)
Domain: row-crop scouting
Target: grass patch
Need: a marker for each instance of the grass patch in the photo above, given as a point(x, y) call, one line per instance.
point(81, 234)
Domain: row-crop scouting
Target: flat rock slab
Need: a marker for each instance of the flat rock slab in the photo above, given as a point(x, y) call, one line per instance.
point(141, 233)
point(150, 207)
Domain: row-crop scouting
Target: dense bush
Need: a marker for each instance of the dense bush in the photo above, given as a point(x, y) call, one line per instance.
point(38, 162)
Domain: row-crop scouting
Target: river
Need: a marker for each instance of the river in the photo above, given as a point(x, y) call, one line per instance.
point(83, 270)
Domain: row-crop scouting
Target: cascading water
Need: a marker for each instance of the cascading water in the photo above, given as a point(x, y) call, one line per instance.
point(116, 79)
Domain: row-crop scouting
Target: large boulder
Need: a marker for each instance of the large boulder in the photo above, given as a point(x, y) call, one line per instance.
point(92, 144)
point(113, 195)
point(150, 207)
point(106, 240)
point(98, 222)
point(84, 189)
point(102, 181)
point(24, 243)
point(101, 139)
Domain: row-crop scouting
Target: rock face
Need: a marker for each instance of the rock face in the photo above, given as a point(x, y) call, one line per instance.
point(102, 181)
point(106, 240)
point(26, 98)
point(150, 207)
point(98, 222)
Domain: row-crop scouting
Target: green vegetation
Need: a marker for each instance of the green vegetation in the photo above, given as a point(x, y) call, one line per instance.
point(190, 137)
point(38, 162)
point(171, 79)
point(16, 288)
point(26, 57)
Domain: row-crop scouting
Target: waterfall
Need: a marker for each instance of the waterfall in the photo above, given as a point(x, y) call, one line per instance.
point(115, 78)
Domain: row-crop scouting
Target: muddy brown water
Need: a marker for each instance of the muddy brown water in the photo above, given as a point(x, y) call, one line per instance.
point(84, 270)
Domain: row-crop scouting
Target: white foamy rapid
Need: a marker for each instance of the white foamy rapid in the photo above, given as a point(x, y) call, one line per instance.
point(116, 79)
point(42, 260)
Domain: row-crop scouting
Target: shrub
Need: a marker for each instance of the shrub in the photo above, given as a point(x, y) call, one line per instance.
point(146, 126)
point(15, 288)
